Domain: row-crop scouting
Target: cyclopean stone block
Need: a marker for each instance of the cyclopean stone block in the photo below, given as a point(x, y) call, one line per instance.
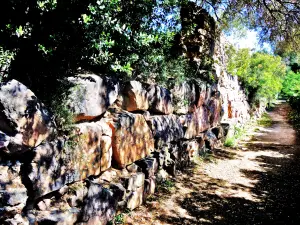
point(91, 95)
point(57, 163)
point(135, 97)
point(184, 97)
point(165, 128)
point(196, 122)
point(160, 99)
point(23, 116)
point(132, 139)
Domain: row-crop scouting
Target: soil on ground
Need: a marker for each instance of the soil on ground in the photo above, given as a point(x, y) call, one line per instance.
point(258, 182)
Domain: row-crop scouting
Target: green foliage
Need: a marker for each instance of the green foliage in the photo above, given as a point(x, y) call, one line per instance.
point(165, 186)
point(5, 59)
point(261, 73)
point(291, 84)
point(230, 142)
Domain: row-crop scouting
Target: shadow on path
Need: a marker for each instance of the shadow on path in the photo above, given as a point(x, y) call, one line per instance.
point(257, 185)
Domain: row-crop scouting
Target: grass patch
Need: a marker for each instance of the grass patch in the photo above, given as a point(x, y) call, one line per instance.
point(238, 133)
point(265, 120)
point(165, 186)
point(230, 142)
point(120, 218)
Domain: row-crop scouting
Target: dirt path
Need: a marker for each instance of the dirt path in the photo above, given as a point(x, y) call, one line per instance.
point(257, 183)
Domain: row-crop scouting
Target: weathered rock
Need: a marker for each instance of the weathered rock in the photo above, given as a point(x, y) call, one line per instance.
point(13, 194)
point(135, 97)
point(165, 129)
point(210, 140)
point(132, 139)
point(65, 216)
point(196, 122)
point(91, 95)
point(218, 132)
point(201, 92)
point(161, 175)
point(94, 147)
point(134, 181)
point(215, 108)
point(149, 166)
point(133, 168)
point(99, 205)
point(119, 192)
point(109, 176)
point(23, 115)
point(184, 97)
point(135, 198)
point(76, 193)
point(58, 163)
point(160, 99)
point(149, 187)
point(193, 148)
point(4, 140)
point(16, 220)
point(135, 188)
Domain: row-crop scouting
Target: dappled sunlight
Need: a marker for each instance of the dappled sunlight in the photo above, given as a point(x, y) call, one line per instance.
point(255, 183)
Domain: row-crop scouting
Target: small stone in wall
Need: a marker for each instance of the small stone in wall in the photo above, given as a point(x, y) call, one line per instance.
point(23, 117)
point(13, 194)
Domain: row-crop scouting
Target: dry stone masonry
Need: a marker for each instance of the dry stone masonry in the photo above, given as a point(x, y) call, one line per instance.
point(127, 137)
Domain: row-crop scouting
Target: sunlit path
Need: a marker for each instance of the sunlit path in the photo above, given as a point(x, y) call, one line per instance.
point(257, 183)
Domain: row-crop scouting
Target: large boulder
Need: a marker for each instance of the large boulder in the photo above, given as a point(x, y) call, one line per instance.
point(60, 162)
point(184, 97)
point(160, 100)
point(132, 139)
point(23, 115)
point(166, 129)
point(13, 194)
point(135, 97)
point(91, 95)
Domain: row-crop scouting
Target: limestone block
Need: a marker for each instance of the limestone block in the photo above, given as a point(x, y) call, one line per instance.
point(57, 163)
point(196, 122)
point(132, 139)
point(23, 115)
point(160, 100)
point(91, 95)
point(184, 97)
point(135, 97)
point(99, 206)
point(165, 128)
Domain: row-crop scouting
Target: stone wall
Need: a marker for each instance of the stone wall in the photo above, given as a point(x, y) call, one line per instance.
point(127, 137)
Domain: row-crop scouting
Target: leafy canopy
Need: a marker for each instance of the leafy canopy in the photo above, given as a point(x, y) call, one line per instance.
point(261, 73)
